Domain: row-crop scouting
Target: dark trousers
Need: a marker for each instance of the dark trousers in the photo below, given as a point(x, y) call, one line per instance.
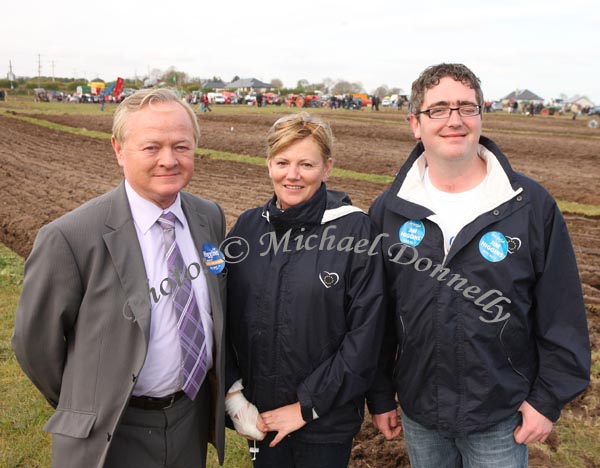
point(175, 437)
point(293, 453)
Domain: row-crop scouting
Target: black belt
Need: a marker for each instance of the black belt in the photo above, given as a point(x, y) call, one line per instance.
point(155, 403)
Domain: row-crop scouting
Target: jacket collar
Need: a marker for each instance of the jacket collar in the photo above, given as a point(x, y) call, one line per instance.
point(408, 188)
point(323, 207)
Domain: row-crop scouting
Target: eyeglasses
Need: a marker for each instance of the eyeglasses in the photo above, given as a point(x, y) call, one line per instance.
point(469, 110)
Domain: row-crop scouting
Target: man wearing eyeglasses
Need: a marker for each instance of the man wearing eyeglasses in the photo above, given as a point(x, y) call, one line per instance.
point(488, 335)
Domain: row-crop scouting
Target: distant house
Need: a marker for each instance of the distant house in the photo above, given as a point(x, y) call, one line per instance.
point(218, 86)
point(581, 101)
point(523, 95)
point(249, 84)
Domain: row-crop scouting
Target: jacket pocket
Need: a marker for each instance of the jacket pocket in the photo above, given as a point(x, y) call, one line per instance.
point(517, 350)
point(71, 423)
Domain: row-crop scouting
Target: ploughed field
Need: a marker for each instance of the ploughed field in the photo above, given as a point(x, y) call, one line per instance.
point(45, 173)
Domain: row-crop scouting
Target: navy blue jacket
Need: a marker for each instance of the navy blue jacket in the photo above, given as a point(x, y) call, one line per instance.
point(496, 320)
point(306, 311)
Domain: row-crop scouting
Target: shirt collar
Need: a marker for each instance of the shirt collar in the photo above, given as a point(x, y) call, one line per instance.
point(496, 187)
point(145, 213)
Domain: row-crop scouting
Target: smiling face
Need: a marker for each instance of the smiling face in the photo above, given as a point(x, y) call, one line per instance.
point(157, 152)
point(297, 172)
point(454, 138)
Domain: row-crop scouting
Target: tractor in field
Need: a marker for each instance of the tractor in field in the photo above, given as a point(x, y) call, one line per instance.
point(40, 95)
point(303, 100)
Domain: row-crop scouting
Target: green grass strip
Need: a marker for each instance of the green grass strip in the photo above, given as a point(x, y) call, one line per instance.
point(564, 205)
point(224, 156)
point(258, 161)
point(59, 127)
point(548, 133)
point(578, 208)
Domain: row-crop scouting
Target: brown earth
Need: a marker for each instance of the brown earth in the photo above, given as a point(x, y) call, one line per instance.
point(45, 173)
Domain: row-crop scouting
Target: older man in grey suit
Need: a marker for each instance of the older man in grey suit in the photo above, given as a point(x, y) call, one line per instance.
point(120, 323)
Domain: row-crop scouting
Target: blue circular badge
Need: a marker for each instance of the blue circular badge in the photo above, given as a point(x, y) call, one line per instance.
point(214, 260)
point(412, 232)
point(493, 246)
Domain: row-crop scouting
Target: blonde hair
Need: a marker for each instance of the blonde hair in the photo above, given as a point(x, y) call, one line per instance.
point(148, 97)
point(292, 128)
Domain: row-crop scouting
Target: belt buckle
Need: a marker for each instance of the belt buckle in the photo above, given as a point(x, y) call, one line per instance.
point(172, 401)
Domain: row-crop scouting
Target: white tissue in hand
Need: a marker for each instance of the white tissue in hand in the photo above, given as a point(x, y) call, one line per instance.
point(244, 415)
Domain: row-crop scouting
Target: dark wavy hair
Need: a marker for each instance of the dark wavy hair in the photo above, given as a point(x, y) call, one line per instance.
point(431, 77)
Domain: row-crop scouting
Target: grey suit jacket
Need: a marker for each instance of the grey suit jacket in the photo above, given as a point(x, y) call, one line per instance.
point(83, 321)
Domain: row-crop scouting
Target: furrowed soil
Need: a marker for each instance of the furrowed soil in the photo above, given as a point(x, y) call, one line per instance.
point(45, 173)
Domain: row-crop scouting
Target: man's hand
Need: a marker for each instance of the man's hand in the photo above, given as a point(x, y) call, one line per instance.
point(283, 420)
point(535, 427)
point(388, 424)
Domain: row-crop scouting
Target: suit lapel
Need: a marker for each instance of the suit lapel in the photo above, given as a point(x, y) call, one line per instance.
point(124, 249)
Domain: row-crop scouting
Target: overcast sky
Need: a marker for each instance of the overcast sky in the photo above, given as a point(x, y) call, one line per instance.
point(549, 47)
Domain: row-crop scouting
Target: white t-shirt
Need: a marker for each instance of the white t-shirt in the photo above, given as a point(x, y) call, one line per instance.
point(454, 210)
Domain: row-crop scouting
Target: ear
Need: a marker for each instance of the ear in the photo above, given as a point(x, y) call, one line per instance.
point(415, 124)
point(328, 167)
point(118, 148)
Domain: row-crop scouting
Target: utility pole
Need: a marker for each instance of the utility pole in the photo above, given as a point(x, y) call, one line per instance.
point(11, 75)
point(39, 71)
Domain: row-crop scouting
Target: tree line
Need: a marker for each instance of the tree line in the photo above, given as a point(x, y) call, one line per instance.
point(181, 80)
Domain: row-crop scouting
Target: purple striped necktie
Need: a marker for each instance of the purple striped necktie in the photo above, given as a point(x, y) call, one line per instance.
point(189, 325)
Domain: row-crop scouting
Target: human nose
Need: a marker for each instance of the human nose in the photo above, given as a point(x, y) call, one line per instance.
point(293, 172)
point(454, 118)
point(167, 157)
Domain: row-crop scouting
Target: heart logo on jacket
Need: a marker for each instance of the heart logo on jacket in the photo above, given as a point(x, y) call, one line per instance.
point(329, 279)
point(514, 244)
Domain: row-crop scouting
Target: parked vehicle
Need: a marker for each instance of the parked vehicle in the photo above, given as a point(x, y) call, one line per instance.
point(398, 100)
point(125, 93)
point(356, 104)
point(86, 98)
point(363, 98)
point(230, 98)
point(302, 100)
point(217, 98)
point(40, 95)
point(54, 95)
point(274, 99)
point(594, 110)
point(250, 99)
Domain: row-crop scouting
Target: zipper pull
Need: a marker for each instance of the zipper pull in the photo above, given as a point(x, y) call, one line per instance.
point(254, 450)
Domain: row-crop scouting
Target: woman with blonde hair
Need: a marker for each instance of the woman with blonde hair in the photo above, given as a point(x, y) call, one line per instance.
point(305, 308)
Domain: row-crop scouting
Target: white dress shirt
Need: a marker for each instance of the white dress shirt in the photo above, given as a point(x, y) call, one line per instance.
point(161, 374)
